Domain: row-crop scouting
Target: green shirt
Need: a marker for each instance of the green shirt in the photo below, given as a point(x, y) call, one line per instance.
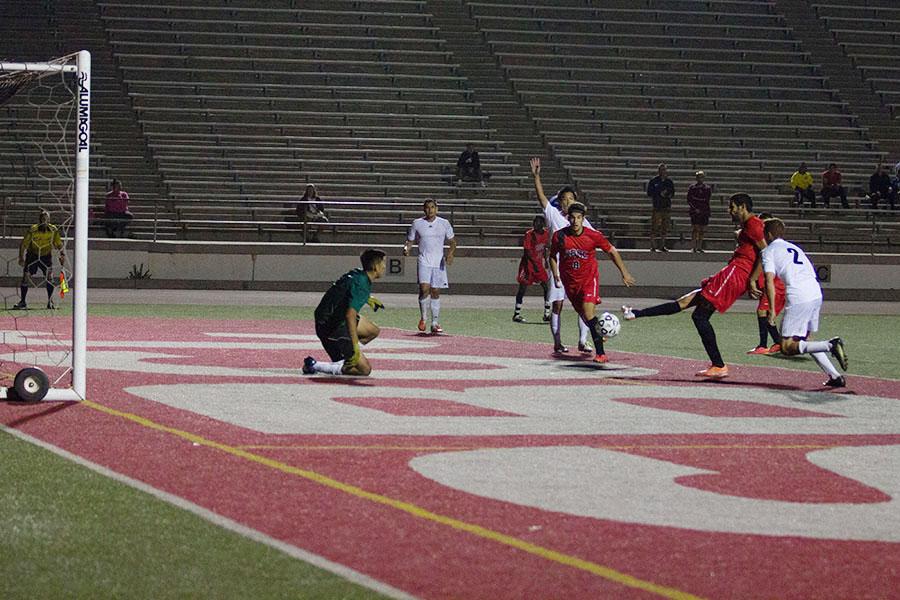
point(352, 290)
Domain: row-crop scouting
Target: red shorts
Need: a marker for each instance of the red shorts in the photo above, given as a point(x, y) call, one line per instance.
point(581, 292)
point(763, 304)
point(531, 276)
point(726, 286)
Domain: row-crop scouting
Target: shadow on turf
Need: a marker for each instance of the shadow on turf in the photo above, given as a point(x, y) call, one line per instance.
point(50, 410)
point(831, 394)
point(586, 364)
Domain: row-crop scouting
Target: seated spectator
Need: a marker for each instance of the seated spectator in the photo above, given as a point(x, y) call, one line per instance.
point(468, 166)
point(311, 209)
point(801, 183)
point(831, 187)
point(698, 196)
point(881, 188)
point(116, 215)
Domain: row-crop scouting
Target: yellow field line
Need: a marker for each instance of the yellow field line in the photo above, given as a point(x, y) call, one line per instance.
point(602, 447)
point(607, 573)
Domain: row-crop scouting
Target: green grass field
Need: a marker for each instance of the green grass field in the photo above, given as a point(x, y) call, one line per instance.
point(69, 532)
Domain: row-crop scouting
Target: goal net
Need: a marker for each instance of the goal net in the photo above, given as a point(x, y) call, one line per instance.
point(45, 115)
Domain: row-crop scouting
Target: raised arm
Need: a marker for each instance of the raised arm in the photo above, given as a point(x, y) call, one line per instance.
point(538, 187)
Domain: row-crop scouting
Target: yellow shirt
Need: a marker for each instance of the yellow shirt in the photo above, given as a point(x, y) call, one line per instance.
point(40, 240)
point(801, 180)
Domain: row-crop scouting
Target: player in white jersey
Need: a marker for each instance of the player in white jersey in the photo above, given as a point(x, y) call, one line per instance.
point(789, 262)
point(430, 232)
point(556, 220)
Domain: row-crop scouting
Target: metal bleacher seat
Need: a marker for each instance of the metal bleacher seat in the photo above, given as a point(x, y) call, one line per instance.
point(617, 88)
point(869, 33)
point(245, 104)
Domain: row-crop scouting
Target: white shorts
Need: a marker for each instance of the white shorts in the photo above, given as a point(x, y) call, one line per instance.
point(557, 294)
point(436, 277)
point(799, 320)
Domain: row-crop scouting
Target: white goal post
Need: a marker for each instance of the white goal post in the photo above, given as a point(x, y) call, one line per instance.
point(69, 382)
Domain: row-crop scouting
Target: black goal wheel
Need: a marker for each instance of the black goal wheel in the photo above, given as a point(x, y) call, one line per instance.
point(31, 385)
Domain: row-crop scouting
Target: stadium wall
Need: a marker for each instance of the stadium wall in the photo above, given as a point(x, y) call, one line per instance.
point(477, 270)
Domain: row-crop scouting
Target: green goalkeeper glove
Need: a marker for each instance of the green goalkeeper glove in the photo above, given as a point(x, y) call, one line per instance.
point(354, 358)
point(375, 303)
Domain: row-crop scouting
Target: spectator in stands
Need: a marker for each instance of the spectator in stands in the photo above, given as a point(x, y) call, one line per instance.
point(698, 196)
point(660, 189)
point(895, 180)
point(116, 215)
point(311, 209)
point(802, 184)
point(880, 188)
point(831, 186)
point(468, 166)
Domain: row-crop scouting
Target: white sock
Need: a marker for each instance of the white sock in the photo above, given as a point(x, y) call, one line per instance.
point(332, 368)
point(810, 347)
point(518, 307)
point(554, 327)
point(583, 331)
point(423, 307)
point(435, 310)
point(824, 363)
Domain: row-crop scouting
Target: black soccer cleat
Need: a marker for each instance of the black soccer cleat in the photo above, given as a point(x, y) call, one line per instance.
point(837, 350)
point(309, 364)
point(836, 382)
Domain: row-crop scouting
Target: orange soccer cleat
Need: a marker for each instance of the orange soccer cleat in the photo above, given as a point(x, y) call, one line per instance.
point(601, 359)
point(714, 372)
point(421, 324)
point(759, 350)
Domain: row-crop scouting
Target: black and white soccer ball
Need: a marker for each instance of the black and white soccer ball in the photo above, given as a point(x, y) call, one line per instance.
point(609, 325)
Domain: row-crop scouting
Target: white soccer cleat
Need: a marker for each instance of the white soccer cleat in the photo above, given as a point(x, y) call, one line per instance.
point(628, 313)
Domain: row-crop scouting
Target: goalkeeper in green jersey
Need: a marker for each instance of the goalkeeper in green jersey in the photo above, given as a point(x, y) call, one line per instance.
point(340, 327)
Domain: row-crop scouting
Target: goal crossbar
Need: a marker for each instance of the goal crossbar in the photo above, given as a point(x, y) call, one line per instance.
point(37, 67)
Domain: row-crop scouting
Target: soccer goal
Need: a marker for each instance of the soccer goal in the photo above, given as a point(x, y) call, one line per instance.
point(45, 120)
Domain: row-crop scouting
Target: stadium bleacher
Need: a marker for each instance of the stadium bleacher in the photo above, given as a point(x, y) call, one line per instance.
point(234, 108)
point(723, 87)
point(869, 33)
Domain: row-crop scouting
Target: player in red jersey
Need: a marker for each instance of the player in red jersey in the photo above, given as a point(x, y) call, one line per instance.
point(719, 292)
point(578, 271)
point(531, 266)
point(765, 328)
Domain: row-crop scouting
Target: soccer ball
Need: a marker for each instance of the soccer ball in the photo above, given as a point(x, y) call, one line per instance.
point(609, 325)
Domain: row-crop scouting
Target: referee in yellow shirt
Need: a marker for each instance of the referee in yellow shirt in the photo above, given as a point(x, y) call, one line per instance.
point(36, 252)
